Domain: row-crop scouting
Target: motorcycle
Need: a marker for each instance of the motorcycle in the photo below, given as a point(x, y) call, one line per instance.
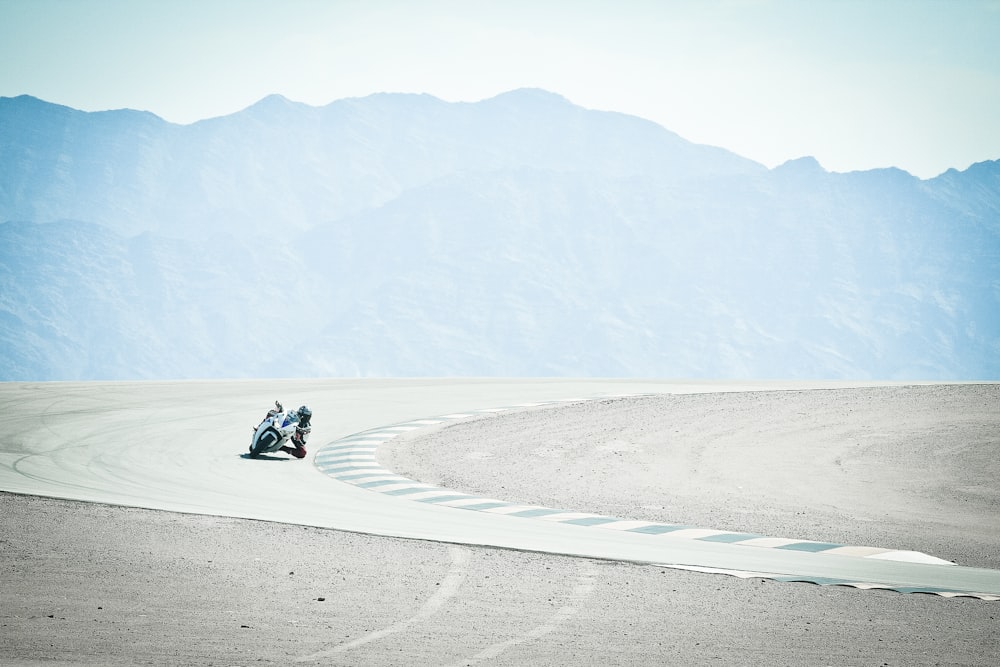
point(277, 429)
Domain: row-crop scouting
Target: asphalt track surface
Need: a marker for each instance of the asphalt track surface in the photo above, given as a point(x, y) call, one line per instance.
point(170, 446)
point(156, 446)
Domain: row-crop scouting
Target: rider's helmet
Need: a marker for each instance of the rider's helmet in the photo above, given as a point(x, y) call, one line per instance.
point(305, 414)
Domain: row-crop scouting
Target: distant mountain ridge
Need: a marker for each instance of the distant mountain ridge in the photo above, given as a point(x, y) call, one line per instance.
point(522, 235)
point(281, 160)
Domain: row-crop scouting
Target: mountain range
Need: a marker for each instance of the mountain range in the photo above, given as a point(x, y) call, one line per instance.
point(401, 235)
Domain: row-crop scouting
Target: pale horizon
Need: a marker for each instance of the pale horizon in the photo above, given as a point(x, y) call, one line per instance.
point(858, 86)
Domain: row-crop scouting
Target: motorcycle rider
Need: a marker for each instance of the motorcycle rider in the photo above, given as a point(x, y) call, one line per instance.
point(302, 431)
point(300, 419)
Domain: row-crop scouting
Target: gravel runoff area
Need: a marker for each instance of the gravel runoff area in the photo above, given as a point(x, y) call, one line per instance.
point(910, 467)
point(914, 468)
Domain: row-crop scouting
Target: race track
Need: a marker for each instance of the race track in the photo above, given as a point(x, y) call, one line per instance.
point(178, 447)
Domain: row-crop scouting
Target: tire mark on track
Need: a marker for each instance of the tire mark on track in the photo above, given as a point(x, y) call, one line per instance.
point(448, 587)
point(578, 596)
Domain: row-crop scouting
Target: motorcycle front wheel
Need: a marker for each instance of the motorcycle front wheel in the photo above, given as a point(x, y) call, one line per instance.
point(266, 440)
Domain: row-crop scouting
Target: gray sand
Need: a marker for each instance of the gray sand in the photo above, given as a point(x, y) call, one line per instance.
point(914, 468)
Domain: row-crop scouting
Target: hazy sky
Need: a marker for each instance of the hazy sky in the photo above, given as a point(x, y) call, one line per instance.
point(857, 84)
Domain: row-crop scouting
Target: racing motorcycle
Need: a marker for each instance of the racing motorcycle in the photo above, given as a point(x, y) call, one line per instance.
point(279, 429)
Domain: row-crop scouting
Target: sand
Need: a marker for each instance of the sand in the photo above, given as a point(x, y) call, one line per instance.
point(915, 468)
